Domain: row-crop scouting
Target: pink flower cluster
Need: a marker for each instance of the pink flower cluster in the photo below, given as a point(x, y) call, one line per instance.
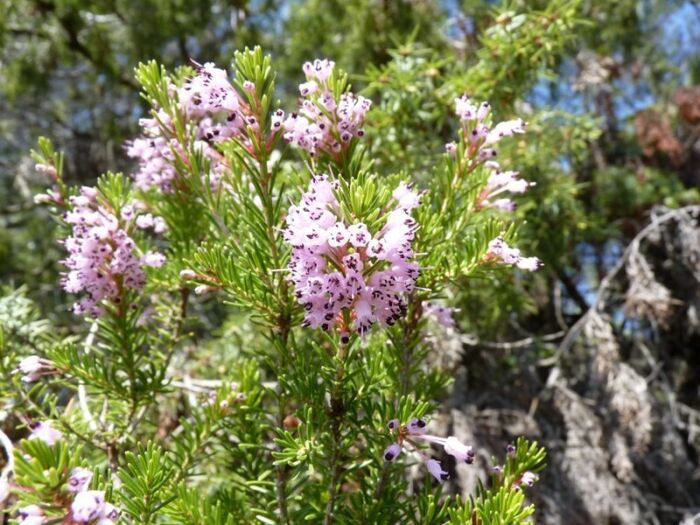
point(214, 111)
point(500, 252)
point(324, 124)
point(480, 135)
point(87, 507)
point(156, 156)
point(500, 182)
point(35, 367)
point(412, 436)
point(479, 139)
point(209, 92)
point(342, 273)
point(210, 101)
point(101, 255)
point(442, 315)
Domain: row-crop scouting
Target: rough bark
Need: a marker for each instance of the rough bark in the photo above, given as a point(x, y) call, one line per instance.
point(618, 406)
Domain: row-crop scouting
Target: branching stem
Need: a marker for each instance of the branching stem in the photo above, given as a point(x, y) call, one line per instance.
point(337, 411)
point(409, 327)
point(82, 392)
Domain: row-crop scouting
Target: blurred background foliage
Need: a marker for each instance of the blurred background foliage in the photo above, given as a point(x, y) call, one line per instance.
point(610, 90)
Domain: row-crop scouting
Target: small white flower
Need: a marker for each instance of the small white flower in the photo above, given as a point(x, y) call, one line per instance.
point(454, 447)
point(87, 505)
point(529, 478)
point(79, 479)
point(46, 433)
point(31, 515)
point(435, 469)
point(392, 451)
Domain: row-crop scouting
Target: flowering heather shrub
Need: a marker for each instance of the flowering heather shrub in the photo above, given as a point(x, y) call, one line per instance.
point(325, 123)
point(343, 272)
point(333, 270)
point(102, 259)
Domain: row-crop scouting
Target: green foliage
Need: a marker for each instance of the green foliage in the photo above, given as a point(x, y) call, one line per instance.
point(631, 191)
point(504, 506)
point(191, 508)
point(44, 468)
point(523, 43)
point(47, 469)
point(260, 452)
point(503, 503)
point(49, 156)
point(409, 89)
point(144, 477)
point(21, 322)
point(356, 33)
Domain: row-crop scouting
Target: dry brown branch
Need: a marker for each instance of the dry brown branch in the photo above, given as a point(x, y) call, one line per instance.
point(604, 288)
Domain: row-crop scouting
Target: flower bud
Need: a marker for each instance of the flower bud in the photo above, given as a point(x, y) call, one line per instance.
point(46, 169)
point(187, 275)
point(31, 515)
point(392, 451)
point(204, 289)
point(291, 422)
point(79, 479)
point(528, 478)
point(87, 505)
point(45, 432)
